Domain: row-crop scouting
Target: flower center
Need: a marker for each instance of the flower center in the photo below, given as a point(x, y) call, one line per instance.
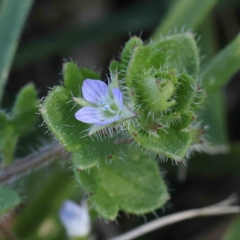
point(108, 108)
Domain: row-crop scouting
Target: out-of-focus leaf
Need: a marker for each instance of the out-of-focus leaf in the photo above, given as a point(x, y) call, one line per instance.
point(222, 67)
point(215, 75)
point(46, 202)
point(17, 123)
point(233, 232)
point(8, 138)
point(12, 18)
point(25, 108)
point(8, 199)
point(184, 14)
point(207, 42)
point(5, 128)
point(213, 114)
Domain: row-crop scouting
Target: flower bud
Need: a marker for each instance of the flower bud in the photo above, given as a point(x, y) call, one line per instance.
point(75, 218)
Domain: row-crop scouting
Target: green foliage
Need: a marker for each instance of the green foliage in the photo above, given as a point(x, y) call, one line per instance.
point(181, 52)
point(8, 200)
point(73, 78)
point(160, 78)
point(213, 115)
point(184, 13)
point(170, 143)
point(233, 231)
point(58, 112)
point(13, 15)
point(45, 203)
point(18, 122)
point(215, 75)
point(24, 111)
point(163, 87)
point(222, 67)
point(132, 184)
point(160, 82)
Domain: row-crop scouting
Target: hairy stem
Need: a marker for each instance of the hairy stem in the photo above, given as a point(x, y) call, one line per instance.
point(21, 167)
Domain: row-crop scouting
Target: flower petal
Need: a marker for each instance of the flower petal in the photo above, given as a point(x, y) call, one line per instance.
point(107, 121)
point(117, 94)
point(89, 115)
point(94, 91)
point(75, 219)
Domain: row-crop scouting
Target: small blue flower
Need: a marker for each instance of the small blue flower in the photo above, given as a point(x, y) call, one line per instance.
point(106, 107)
point(102, 105)
point(75, 219)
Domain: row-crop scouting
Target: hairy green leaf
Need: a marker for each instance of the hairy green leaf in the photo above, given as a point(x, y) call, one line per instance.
point(133, 185)
point(181, 51)
point(88, 73)
point(127, 50)
point(73, 79)
point(170, 143)
point(58, 112)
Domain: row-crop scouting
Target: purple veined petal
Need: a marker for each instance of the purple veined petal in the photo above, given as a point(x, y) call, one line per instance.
point(89, 115)
point(117, 94)
point(108, 120)
point(94, 91)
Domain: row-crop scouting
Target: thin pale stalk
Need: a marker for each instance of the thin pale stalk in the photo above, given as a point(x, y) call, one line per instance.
point(177, 217)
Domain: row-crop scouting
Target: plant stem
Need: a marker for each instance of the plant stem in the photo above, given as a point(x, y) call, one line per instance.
point(177, 217)
point(21, 167)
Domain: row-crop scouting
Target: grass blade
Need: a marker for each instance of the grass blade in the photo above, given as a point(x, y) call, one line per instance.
point(184, 13)
point(12, 18)
point(222, 67)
